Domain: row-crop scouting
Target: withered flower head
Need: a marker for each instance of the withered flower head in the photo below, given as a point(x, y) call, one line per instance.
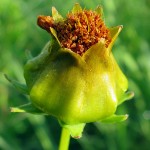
point(79, 31)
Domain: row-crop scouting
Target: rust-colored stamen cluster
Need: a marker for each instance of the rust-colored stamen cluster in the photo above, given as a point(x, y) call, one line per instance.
point(79, 31)
point(45, 22)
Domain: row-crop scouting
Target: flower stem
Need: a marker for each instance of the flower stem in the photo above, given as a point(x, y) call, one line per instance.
point(64, 140)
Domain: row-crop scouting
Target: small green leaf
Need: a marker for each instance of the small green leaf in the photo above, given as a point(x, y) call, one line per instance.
point(115, 118)
point(20, 87)
point(27, 108)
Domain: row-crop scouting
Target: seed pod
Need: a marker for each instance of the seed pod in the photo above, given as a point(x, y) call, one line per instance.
point(76, 78)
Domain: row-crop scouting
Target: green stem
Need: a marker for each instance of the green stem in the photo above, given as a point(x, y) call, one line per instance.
point(64, 140)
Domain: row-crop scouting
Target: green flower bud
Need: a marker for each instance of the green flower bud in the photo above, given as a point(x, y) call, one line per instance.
point(76, 78)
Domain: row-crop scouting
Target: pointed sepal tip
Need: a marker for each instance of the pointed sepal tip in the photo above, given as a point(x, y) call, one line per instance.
point(27, 108)
point(115, 118)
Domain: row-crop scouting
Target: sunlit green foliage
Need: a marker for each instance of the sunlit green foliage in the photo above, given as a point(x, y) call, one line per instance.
point(19, 33)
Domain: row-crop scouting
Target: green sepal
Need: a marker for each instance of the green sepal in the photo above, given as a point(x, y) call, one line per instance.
point(77, 8)
point(20, 87)
point(27, 108)
point(127, 96)
point(47, 47)
point(114, 34)
point(56, 16)
point(92, 55)
point(99, 10)
point(55, 35)
point(75, 129)
point(114, 119)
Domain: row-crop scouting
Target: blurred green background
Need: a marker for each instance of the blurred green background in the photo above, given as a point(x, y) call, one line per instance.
point(19, 32)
